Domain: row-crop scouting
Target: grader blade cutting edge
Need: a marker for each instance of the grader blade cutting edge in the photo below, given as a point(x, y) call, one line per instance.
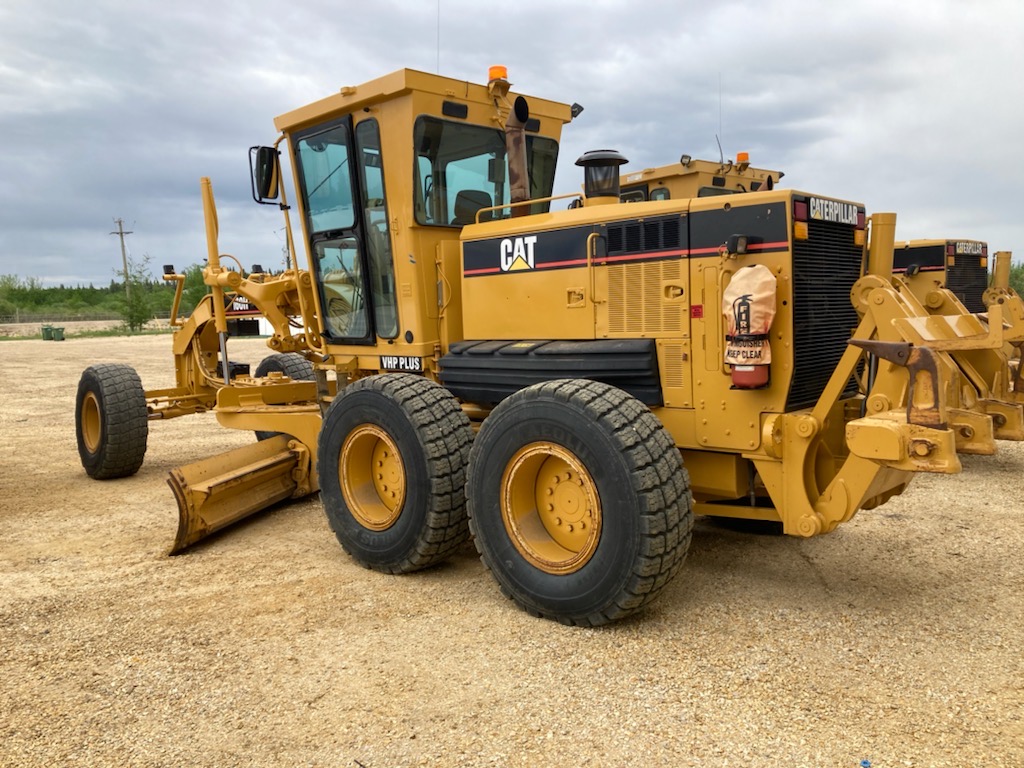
point(218, 491)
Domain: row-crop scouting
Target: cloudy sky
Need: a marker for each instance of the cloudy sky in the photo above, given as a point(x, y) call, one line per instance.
point(114, 109)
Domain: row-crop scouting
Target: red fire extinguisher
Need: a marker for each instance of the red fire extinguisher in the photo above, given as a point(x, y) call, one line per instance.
point(748, 305)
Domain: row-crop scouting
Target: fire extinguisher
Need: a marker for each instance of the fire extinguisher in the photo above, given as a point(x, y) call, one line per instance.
point(748, 306)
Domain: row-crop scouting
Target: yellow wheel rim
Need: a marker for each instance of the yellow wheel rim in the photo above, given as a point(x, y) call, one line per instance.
point(550, 508)
point(92, 422)
point(372, 477)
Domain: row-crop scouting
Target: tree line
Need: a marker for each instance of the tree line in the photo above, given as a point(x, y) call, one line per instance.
point(135, 297)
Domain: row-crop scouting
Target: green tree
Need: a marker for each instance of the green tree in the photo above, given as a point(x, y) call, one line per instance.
point(1017, 278)
point(195, 289)
point(8, 289)
point(134, 306)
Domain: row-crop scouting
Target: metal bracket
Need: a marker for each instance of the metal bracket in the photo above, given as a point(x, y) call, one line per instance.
point(924, 403)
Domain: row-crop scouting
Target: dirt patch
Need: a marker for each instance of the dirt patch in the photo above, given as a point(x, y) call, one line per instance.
point(895, 639)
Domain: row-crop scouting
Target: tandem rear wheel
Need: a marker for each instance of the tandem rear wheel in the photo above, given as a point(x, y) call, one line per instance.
point(578, 501)
point(391, 461)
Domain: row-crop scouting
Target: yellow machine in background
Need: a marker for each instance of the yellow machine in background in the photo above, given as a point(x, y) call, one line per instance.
point(696, 178)
point(570, 386)
point(961, 266)
point(999, 292)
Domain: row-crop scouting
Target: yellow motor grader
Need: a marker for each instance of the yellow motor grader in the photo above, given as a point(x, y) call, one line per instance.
point(457, 357)
point(961, 266)
point(950, 277)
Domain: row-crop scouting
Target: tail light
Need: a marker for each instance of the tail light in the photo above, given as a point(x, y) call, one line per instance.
point(800, 220)
point(860, 232)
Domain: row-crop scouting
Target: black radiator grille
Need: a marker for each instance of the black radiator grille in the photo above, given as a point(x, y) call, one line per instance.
point(968, 280)
point(662, 234)
point(825, 267)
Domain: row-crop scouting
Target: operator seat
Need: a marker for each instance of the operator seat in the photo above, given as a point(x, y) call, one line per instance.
point(467, 203)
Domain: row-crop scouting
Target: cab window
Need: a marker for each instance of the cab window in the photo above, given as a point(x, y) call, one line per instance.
point(461, 169)
point(327, 180)
point(341, 286)
point(378, 236)
point(633, 194)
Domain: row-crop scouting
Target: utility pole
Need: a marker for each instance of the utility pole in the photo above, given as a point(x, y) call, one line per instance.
point(124, 256)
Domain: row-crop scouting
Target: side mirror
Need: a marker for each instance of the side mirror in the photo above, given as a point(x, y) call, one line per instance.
point(265, 170)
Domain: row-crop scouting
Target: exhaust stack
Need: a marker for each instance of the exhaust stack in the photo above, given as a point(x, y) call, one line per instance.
point(515, 147)
point(515, 139)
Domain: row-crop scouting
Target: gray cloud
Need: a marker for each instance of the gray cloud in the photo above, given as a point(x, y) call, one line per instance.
point(117, 109)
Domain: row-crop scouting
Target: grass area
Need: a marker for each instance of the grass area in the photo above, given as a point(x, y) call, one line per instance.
point(120, 331)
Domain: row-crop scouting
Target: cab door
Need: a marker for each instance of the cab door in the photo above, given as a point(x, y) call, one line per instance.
point(341, 179)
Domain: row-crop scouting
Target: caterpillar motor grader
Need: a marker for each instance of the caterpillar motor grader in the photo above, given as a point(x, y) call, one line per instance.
point(691, 177)
point(942, 279)
point(959, 265)
point(567, 386)
point(952, 277)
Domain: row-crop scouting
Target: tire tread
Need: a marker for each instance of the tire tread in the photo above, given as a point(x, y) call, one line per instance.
point(446, 438)
point(660, 482)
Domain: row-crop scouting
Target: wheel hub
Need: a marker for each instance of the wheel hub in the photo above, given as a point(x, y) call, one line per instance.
point(92, 423)
point(372, 477)
point(550, 508)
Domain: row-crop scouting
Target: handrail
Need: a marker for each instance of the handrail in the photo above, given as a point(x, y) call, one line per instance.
point(503, 206)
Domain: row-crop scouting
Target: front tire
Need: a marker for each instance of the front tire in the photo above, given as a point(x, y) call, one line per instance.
point(111, 421)
point(579, 501)
point(392, 459)
point(291, 364)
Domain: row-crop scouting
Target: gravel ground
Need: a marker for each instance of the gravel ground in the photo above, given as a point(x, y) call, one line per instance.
point(895, 639)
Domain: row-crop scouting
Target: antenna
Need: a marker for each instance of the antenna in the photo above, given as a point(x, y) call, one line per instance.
point(719, 110)
point(721, 154)
point(439, 37)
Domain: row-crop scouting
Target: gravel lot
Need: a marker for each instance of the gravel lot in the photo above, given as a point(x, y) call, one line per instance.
point(896, 639)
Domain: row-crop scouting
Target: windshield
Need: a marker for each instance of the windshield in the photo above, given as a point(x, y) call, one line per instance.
point(327, 180)
point(462, 168)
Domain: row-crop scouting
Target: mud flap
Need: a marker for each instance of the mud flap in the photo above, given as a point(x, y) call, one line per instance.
point(218, 491)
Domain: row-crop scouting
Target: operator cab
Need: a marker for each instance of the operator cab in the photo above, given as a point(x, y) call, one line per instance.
point(387, 172)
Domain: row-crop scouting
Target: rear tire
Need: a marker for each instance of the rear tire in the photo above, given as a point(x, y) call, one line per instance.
point(392, 459)
point(579, 501)
point(292, 365)
point(111, 421)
